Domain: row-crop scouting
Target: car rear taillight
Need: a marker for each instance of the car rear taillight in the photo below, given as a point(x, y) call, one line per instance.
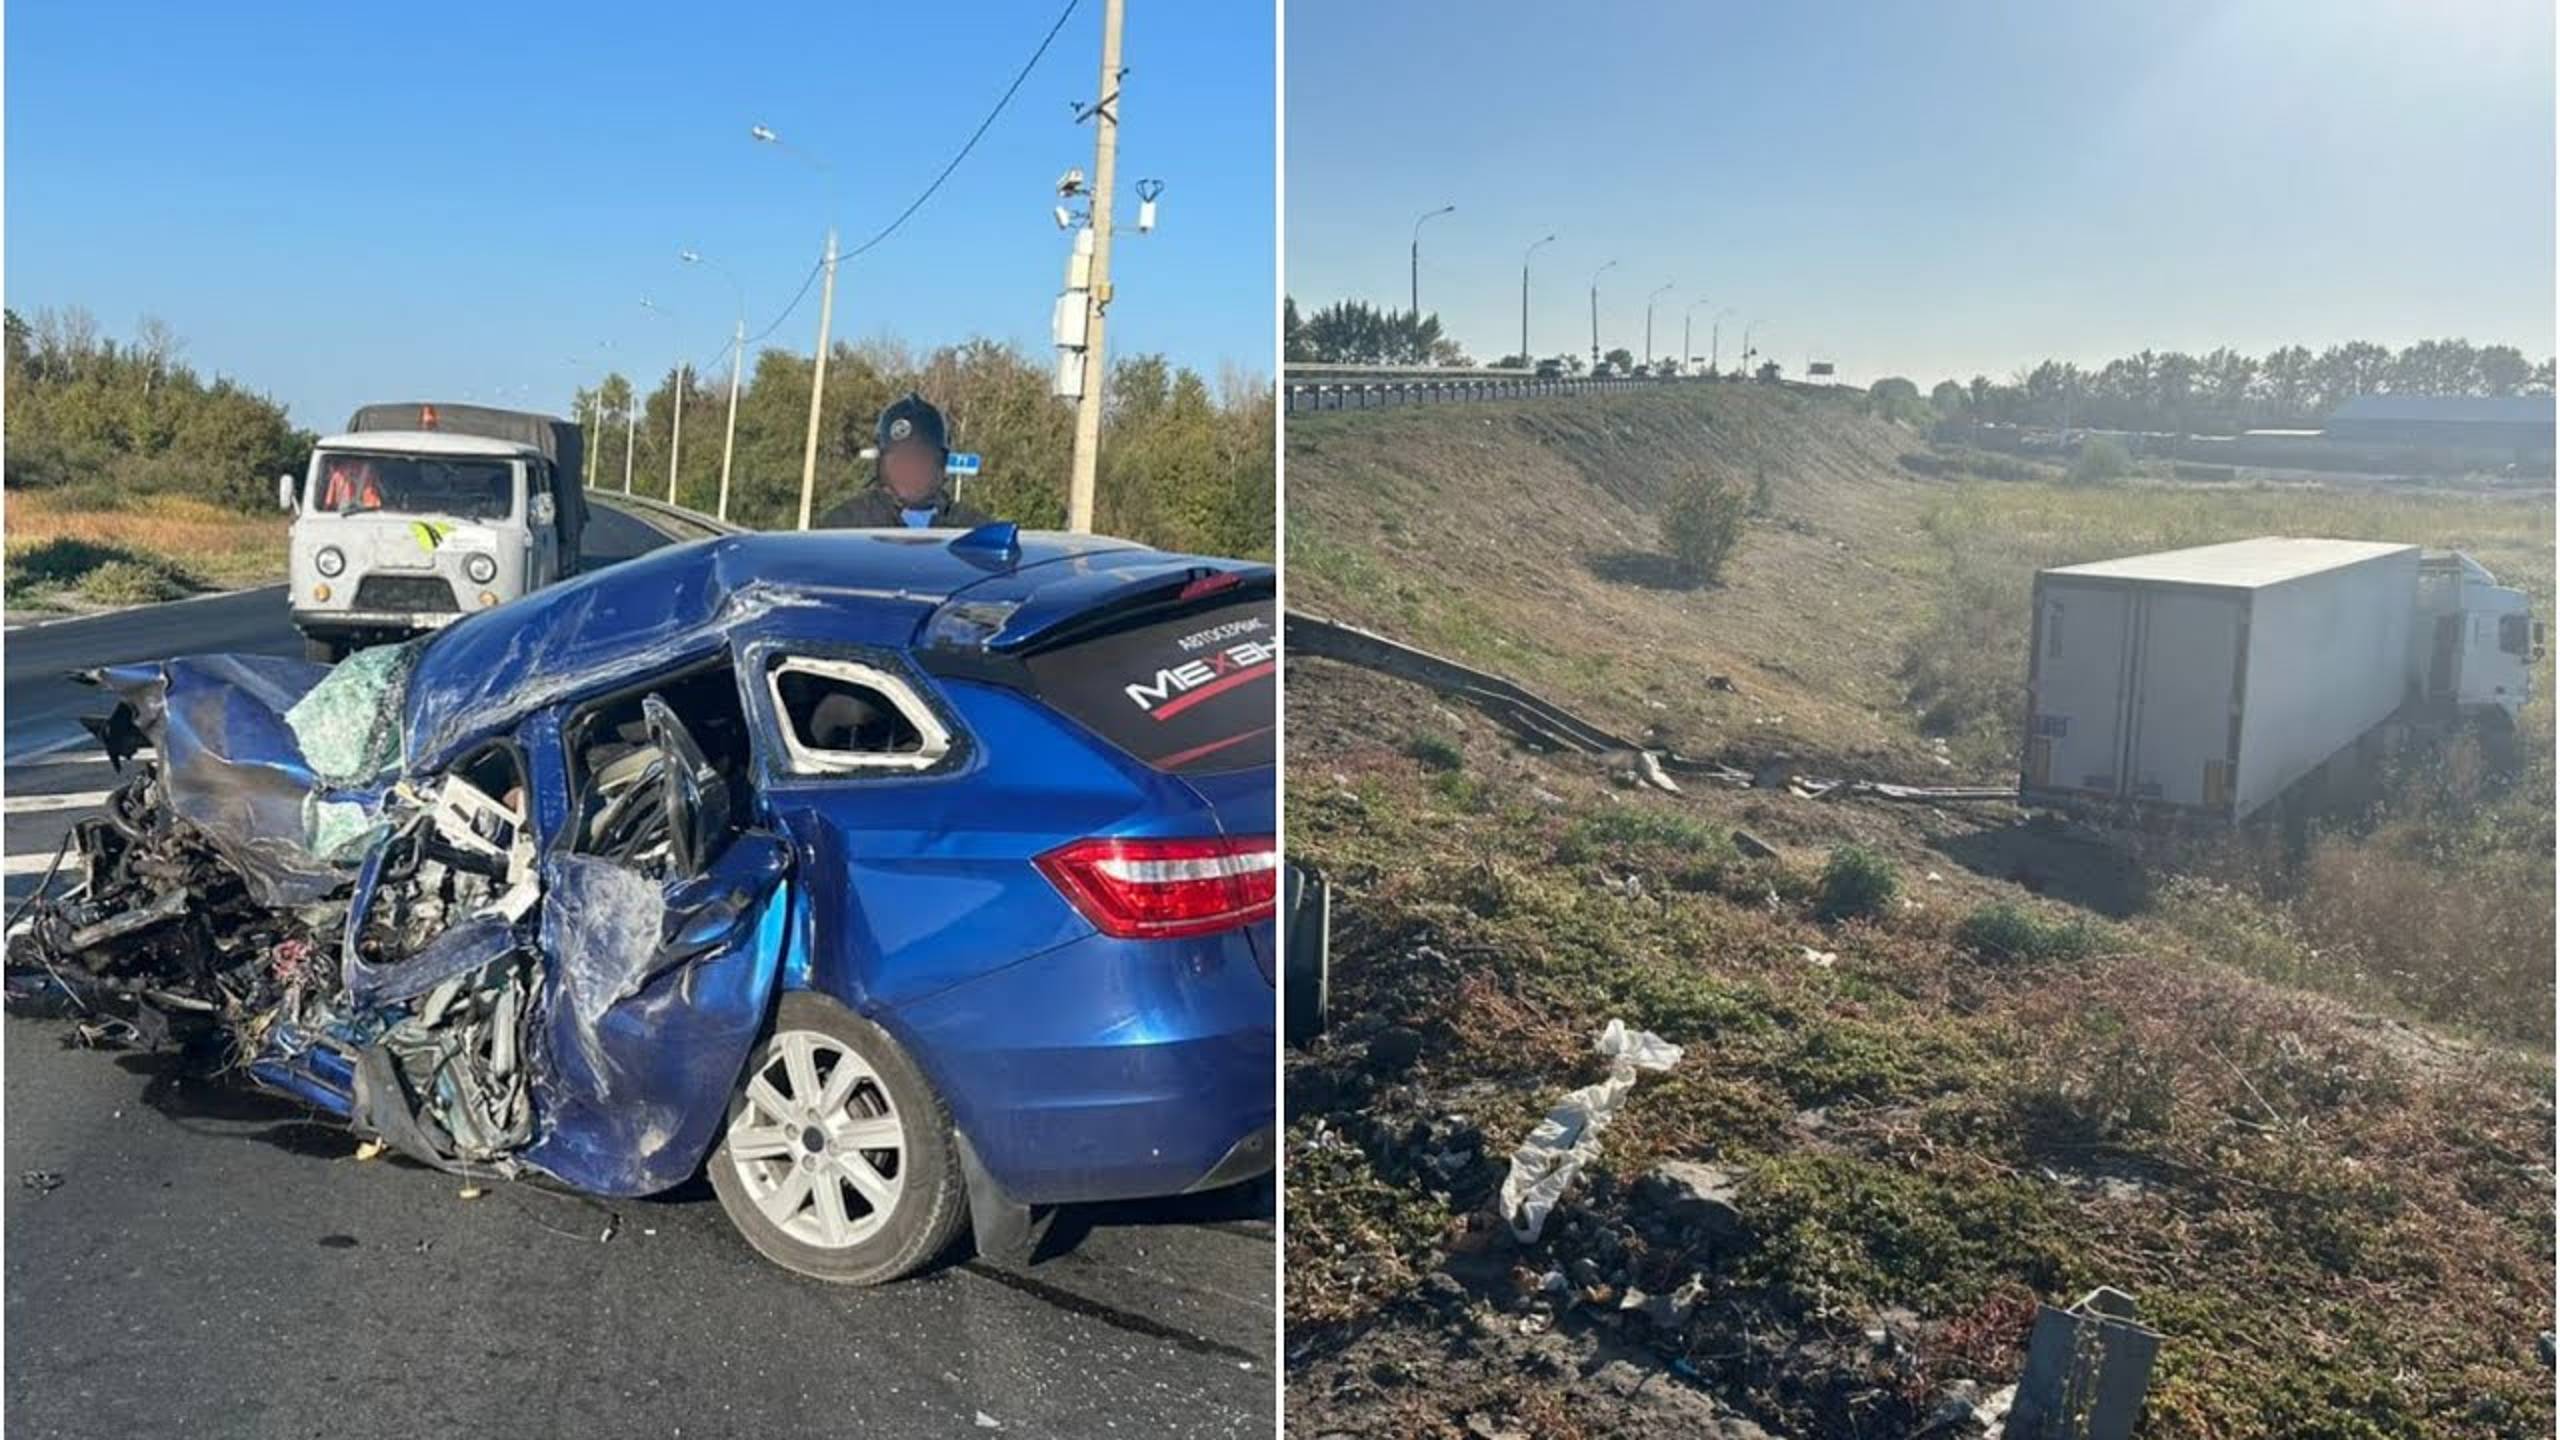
point(1141, 889)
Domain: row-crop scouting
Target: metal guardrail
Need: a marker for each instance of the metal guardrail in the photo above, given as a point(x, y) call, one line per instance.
point(1305, 396)
point(664, 511)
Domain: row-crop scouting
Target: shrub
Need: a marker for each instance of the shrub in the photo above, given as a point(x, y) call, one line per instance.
point(2008, 932)
point(1856, 881)
point(1435, 752)
point(2100, 460)
point(1702, 525)
point(132, 582)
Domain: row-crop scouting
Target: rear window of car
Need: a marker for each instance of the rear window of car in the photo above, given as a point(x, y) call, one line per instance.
point(1193, 695)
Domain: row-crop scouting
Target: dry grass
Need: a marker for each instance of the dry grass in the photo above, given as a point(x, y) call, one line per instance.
point(67, 552)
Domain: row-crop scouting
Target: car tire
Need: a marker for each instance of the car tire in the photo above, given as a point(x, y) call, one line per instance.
point(762, 1190)
point(325, 652)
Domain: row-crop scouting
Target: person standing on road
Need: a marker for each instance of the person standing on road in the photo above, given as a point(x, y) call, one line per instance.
point(908, 488)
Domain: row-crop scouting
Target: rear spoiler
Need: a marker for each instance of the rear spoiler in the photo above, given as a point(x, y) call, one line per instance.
point(988, 637)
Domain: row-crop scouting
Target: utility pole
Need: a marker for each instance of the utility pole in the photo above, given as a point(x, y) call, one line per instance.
point(630, 438)
point(675, 433)
point(1106, 155)
point(729, 442)
point(595, 406)
point(818, 383)
point(1413, 262)
point(1595, 315)
point(1525, 357)
point(1648, 323)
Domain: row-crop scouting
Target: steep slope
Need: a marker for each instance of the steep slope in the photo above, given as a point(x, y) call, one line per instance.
point(2042, 1062)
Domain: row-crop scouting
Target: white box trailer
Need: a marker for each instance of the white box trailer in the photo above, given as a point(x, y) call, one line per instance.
point(2209, 680)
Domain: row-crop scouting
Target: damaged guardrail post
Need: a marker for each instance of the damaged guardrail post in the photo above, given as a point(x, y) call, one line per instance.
point(2087, 1370)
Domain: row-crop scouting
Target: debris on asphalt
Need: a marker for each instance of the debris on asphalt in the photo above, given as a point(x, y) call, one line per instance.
point(42, 1182)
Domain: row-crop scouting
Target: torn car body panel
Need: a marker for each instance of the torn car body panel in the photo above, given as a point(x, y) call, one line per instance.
point(524, 894)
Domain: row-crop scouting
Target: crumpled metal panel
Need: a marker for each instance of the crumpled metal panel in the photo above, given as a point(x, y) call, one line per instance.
point(631, 1082)
point(229, 763)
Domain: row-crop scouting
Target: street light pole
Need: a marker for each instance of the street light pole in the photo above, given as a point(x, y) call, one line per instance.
point(675, 433)
point(1413, 260)
point(1648, 322)
point(826, 315)
point(1595, 314)
point(1715, 339)
point(630, 438)
point(737, 359)
point(1087, 459)
point(1686, 354)
point(1525, 357)
point(1746, 347)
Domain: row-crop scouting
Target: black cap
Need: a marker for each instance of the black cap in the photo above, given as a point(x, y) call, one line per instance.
point(911, 420)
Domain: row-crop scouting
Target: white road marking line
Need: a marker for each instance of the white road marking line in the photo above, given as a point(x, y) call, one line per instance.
point(93, 756)
point(41, 804)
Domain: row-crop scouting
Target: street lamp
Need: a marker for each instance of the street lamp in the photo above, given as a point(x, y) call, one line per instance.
point(1687, 357)
point(675, 433)
point(1525, 357)
point(1747, 352)
point(1414, 259)
point(1648, 321)
point(764, 135)
point(1595, 313)
point(737, 360)
point(1715, 338)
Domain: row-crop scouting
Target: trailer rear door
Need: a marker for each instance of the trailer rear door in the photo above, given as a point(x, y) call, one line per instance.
point(2187, 680)
point(2084, 650)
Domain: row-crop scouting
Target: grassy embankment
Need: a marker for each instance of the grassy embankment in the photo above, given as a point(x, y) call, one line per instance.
point(2296, 1099)
point(73, 551)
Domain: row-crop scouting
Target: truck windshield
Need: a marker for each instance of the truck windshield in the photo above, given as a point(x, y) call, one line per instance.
point(417, 485)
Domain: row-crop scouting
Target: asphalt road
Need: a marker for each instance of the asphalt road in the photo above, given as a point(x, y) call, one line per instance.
point(186, 1257)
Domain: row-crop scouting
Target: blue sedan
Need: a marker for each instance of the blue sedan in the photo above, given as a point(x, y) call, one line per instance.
point(900, 879)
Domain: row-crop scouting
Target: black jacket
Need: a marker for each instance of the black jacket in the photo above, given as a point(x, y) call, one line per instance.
point(873, 507)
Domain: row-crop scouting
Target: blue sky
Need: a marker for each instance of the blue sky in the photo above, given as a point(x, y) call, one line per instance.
point(1934, 190)
point(342, 203)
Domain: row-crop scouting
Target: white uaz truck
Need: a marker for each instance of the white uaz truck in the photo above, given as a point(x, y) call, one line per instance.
point(422, 513)
point(2210, 680)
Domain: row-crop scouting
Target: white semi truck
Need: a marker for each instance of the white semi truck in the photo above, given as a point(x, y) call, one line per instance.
point(2211, 680)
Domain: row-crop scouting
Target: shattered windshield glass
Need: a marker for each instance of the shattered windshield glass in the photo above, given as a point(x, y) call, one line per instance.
point(349, 724)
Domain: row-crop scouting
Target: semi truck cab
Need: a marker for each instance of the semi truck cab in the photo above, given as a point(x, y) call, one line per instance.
point(2476, 640)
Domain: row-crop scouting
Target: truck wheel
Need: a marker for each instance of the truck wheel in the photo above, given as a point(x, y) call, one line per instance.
point(838, 1161)
point(325, 652)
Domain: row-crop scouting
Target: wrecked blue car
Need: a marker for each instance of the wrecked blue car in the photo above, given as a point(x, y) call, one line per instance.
point(897, 880)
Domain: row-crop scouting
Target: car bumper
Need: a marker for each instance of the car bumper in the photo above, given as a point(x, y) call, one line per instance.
point(331, 622)
point(1108, 1069)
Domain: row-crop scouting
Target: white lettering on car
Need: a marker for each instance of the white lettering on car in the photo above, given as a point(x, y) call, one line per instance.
point(1172, 688)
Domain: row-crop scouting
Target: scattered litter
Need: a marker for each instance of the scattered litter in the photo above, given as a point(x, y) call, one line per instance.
point(41, 1181)
point(1556, 1149)
point(1753, 847)
point(1823, 959)
point(471, 1192)
point(989, 1422)
point(368, 1149)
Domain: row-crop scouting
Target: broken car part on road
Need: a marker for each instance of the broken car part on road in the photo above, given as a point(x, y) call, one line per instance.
point(899, 878)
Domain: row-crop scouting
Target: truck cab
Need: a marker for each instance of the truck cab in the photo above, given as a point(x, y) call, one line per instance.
point(399, 532)
point(2476, 640)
